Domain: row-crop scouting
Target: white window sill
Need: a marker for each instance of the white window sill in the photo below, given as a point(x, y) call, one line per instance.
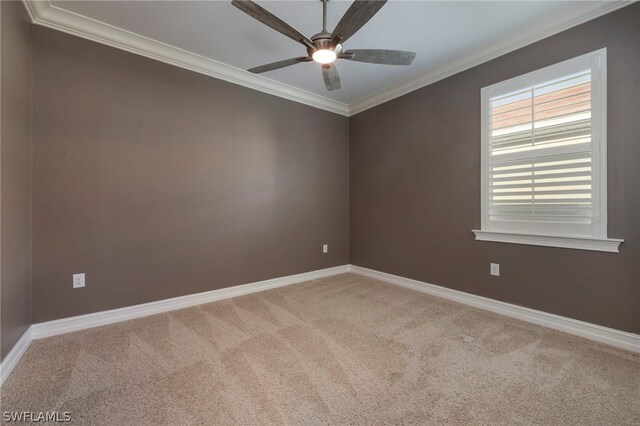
point(580, 243)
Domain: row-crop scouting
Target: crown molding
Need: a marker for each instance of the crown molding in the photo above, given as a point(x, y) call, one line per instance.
point(571, 16)
point(42, 12)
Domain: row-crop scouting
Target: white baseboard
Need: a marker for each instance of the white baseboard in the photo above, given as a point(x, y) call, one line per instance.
point(610, 336)
point(81, 322)
point(598, 333)
point(12, 358)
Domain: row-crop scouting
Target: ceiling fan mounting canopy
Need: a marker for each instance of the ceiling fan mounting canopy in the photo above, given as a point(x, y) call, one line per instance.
point(326, 47)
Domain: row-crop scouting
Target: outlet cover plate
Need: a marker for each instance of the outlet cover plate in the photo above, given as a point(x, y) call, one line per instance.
point(495, 269)
point(78, 280)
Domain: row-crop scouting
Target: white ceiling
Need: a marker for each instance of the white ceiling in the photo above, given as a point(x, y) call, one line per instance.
point(439, 31)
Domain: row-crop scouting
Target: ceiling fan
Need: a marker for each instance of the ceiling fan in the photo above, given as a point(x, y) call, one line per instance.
point(326, 47)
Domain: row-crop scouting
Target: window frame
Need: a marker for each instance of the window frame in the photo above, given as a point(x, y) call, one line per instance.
point(530, 233)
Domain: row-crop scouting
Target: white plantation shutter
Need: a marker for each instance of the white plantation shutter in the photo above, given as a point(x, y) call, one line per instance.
point(542, 136)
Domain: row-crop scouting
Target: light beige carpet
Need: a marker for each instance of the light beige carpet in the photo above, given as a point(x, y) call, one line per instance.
point(339, 350)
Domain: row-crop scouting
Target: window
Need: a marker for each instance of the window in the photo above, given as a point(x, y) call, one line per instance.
point(544, 157)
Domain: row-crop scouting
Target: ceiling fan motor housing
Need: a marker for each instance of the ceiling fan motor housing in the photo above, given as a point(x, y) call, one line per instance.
point(323, 42)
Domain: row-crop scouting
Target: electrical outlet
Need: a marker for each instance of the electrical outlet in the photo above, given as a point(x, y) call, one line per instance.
point(325, 248)
point(495, 269)
point(78, 280)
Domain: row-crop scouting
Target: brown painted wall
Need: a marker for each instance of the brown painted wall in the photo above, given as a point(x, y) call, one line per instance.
point(415, 187)
point(159, 182)
point(15, 167)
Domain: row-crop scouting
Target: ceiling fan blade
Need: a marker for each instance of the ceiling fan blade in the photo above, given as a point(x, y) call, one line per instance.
point(354, 18)
point(263, 15)
point(280, 64)
point(331, 77)
point(379, 56)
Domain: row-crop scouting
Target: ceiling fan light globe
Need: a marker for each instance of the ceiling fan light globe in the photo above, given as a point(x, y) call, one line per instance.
point(324, 56)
